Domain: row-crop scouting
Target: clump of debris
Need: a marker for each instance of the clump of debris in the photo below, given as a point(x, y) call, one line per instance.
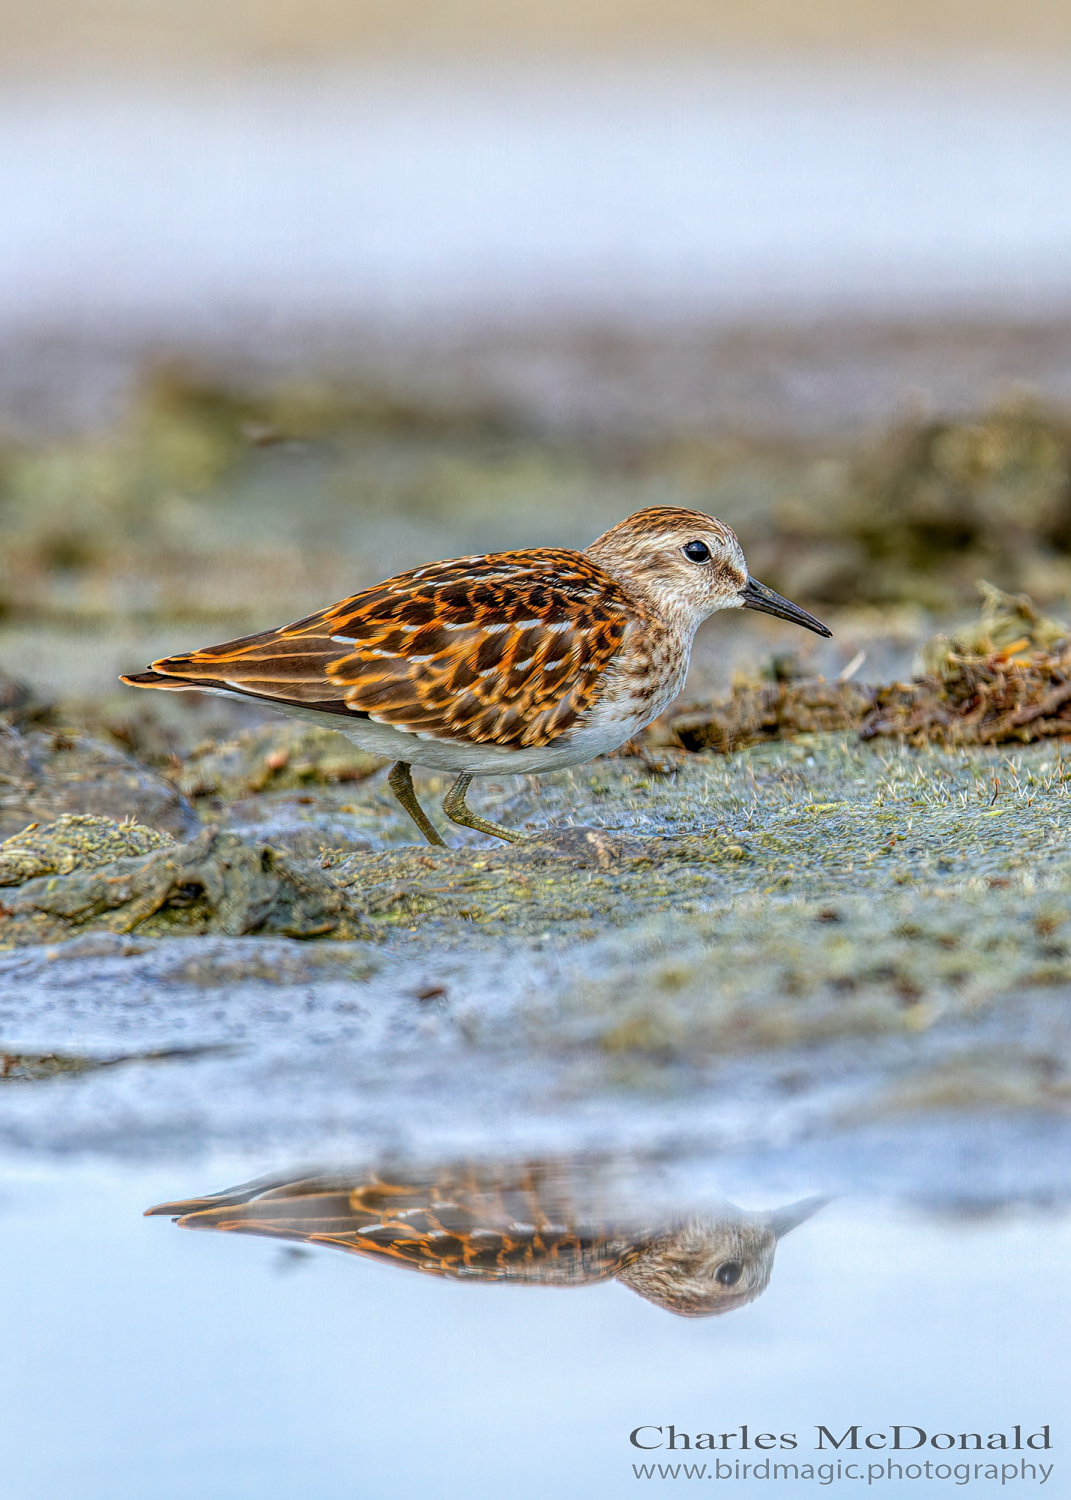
point(1005, 678)
point(778, 710)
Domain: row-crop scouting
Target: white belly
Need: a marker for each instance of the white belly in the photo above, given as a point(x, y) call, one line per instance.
point(478, 760)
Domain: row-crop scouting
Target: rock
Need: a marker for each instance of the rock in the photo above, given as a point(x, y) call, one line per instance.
point(218, 883)
point(46, 774)
point(75, 841)
point(16, 698)
point(274, 757)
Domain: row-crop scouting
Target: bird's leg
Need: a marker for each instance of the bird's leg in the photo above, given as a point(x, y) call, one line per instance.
point(458, 811)
point(400, 782)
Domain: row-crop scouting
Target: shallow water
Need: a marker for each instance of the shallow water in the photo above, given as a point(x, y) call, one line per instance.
point(725, 190)
point(145, 1356)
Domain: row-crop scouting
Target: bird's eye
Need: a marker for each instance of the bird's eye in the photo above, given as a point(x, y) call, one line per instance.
point(729, 1273)
point(697, 552)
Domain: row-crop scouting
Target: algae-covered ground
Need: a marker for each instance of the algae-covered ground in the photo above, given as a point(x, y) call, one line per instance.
point(789, 949)
point(838, 957)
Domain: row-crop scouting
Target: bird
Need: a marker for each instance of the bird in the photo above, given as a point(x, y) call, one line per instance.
point(519, 1222)
point(512, 662)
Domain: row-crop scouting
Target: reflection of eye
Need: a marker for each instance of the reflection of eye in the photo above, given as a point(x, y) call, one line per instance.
point(729, 1273)
point(697, 552)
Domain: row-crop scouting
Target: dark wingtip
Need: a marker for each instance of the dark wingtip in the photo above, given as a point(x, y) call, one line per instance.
point(142, 679)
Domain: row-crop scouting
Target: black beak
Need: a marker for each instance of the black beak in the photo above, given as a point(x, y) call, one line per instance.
point(757, 596)
point(794, 1214)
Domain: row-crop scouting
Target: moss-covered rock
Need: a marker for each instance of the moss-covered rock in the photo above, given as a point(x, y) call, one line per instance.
point(73, 842)
point(216, 884)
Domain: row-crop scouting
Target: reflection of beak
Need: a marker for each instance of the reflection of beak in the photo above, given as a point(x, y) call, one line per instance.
point(755, 595)
point(795, 1214)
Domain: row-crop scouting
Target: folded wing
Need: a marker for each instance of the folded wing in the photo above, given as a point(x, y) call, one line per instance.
point(507, 650)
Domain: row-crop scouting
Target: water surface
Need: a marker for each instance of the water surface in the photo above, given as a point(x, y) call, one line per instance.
point(143, 1355)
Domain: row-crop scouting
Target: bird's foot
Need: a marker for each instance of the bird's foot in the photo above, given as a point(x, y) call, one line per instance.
point(458, 811)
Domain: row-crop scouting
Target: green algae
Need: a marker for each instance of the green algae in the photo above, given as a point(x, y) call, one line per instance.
point(821, 817)
point(578, 879)
point(73, 842)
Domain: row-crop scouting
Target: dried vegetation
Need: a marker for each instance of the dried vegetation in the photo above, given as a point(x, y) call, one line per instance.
point(1006, 679)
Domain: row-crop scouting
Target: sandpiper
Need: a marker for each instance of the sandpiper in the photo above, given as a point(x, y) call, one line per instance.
point(513, 662)
point(516, 1222)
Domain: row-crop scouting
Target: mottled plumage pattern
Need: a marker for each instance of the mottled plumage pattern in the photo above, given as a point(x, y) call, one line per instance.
point(507, 650)
point(459, 1225)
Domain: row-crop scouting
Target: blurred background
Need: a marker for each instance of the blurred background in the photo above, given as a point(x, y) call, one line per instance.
point(292, 297)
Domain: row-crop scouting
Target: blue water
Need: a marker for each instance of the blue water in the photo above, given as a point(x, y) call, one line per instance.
point(142, 1359)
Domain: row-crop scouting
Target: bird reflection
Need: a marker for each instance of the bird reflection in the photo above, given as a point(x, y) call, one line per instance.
point(526, 1223)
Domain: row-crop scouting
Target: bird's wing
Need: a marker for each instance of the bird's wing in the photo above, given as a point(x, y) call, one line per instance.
point(461, 1228)
point(504, 650)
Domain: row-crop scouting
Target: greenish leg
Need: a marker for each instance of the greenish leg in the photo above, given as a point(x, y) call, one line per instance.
point(458, 811)
point(400, 782)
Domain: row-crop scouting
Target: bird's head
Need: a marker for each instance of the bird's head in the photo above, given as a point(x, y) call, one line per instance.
point(685, 565)
point(714, 1262)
